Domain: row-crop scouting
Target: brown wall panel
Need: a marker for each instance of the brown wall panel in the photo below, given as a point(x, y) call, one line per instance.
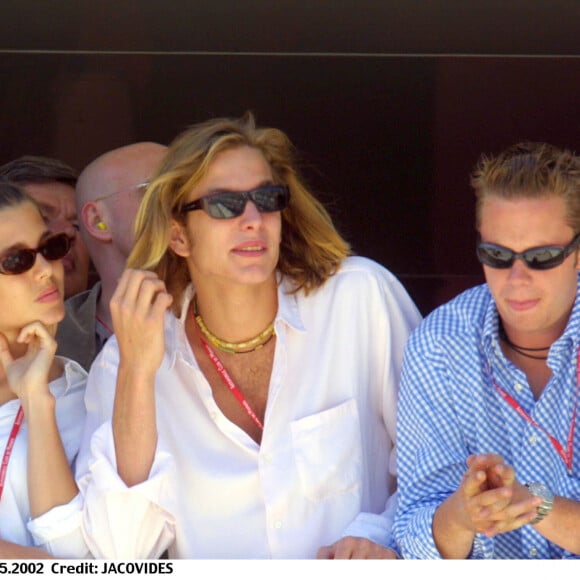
point(389, 102)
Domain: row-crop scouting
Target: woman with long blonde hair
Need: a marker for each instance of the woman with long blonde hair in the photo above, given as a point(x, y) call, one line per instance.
point(246, 406)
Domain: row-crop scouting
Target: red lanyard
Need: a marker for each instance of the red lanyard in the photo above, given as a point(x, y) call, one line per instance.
point(219, 367)
point(9, 446)
point(565, 454)
point(105, 326)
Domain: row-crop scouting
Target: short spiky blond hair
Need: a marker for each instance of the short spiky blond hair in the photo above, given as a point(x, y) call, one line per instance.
point(311, 249)
point(530, 170)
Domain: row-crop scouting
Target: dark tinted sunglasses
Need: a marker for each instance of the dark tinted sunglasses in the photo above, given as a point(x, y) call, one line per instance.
point(540, 258)
point(20, 261)
point(230, 204)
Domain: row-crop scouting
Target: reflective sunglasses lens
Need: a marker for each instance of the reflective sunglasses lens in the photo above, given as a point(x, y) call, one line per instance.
point(229, 205)
point(56, 247)
point(18, 262)
point(225, 205)
point(543, 258)
point(270, 199)
point(535, 259)
point(495, 256)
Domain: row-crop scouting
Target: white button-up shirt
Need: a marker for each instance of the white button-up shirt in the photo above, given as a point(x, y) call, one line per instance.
point(326, 464)
point(59, 529)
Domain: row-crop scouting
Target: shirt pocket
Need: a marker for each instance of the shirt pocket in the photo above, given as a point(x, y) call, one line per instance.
point(328, 451)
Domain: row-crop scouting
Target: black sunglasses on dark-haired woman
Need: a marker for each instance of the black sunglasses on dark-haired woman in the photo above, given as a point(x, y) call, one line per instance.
point(19, 261)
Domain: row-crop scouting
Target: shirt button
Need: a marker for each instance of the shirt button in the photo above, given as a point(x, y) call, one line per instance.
point(518, 387)
point(533, 439)
point(278, 524)
point(533, 552)
point(267, 458)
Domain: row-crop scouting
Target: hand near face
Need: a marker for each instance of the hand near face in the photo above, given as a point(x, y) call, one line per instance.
point(138, 309)
point(493, 501)
point(351, 548)
point(28, 374)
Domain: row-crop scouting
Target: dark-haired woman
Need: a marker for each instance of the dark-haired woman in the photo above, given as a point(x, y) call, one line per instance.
point(41, 396)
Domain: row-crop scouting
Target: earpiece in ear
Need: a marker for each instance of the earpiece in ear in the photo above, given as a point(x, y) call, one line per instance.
point(101, 226)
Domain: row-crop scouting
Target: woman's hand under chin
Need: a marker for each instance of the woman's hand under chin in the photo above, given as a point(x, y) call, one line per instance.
point(28, 375)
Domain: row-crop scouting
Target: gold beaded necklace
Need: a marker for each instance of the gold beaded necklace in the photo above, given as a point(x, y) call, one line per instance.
point(234, 347)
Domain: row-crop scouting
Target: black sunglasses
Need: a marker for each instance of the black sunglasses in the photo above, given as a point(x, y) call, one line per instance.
point(230, 204)
point(20, 261)
point(540, 258)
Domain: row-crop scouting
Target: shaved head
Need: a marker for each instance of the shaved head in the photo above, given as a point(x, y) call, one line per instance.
point(108, 193)
point(118, 170)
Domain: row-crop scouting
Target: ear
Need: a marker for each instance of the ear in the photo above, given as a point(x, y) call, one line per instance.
point(178, 239)
point(94, 223)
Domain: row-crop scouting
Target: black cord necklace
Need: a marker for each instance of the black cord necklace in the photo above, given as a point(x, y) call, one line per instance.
point(521, 349)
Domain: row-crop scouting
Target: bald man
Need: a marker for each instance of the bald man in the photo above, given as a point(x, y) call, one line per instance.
point(108, 193)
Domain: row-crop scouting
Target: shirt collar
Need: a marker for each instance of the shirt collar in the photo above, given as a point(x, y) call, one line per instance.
point(288, 310)
point(175, 328)
point(490, 335)
point(288, 313)
point(73, 374)
point(571, 333)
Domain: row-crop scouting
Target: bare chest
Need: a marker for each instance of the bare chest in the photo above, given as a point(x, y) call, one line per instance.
point(243, 382)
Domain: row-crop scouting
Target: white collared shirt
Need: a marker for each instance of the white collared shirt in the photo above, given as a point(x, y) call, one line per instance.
point(59, 529)
point(326, 464)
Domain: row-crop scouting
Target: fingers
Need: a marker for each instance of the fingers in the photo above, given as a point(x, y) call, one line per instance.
point(37, 335)
point(492, 496)
point(137, 292)
point(515, 515)
point(507, 524)
point(139, 287)
point(137, 283)
point(497, 472)
point(140, 301)
point(351, 548)
point(138, 309)
point(501, 475)
point(488, 508)
point(325, 553)
point(481, 500)
point(27, 371)
point(473, 482)
point(485, 461)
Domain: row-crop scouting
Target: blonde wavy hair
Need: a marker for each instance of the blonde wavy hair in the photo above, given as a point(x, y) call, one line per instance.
point(530, 170)
point(311, 249)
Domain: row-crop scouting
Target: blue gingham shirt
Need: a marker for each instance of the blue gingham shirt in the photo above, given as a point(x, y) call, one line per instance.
point(449, 409)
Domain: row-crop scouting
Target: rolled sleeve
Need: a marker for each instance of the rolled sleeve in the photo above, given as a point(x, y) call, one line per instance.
point(59, 530)
point(126, 522)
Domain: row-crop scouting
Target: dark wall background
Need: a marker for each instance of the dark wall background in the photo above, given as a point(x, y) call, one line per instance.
point(390, 101)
